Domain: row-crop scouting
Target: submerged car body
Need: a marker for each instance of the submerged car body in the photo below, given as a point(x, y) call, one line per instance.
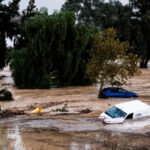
point(128, 110)
point(117, 92)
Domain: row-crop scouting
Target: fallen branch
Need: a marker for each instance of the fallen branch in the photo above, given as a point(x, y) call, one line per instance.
point(10, 113)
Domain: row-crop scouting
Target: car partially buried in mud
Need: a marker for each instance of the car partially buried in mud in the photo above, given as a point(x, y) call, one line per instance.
point(117, 92)
point(127, 110)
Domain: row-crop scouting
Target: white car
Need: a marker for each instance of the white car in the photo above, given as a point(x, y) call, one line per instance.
point(128, 110)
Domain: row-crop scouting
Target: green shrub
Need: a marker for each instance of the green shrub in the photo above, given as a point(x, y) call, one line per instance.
point(5, 95)
point(55, 49)
point(26, 72)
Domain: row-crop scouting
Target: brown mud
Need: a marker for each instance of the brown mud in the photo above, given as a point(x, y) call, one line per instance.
point(77, 98)
point(71, 130)
point(60, 134)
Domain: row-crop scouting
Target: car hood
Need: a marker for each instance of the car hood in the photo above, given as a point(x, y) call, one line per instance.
point(108, 120)
point(103, 115)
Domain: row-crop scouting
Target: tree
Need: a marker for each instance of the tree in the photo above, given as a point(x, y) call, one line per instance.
point(19, 39)
point(142, 18)
point(7, 28)
point(109, 63)
point(43, 10)
point(53, 51)
point(95, 12)
point(30, 11)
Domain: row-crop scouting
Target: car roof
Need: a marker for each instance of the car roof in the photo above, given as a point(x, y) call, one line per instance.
point(112, 88)
point(109, 88)
point(133, 106)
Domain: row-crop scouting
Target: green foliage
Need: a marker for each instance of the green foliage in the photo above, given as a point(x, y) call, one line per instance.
point(54, 48)
point(7, 28)
point(27, 71)
point(132, 26)
point(96, 12)
point(5, 95)
point(109, 63)
point(20, 40)
point(43, 10)
point(142, 24)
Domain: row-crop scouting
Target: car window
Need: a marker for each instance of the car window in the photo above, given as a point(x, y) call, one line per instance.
point(122, 91)
point(114, 90)
point(115, 112)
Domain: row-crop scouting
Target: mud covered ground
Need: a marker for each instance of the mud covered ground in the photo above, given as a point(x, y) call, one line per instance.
point(71, 130)
point(77, 98)
point(68, 134)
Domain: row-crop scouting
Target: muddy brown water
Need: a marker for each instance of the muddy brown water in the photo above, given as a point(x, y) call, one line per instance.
point(76, 134)
point(79, 132)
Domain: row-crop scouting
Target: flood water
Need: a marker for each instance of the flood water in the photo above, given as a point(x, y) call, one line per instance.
point(76, 134)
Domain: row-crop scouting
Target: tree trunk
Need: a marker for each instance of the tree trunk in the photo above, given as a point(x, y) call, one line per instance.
point(148, 55)
point(143, 63)
point(100, 89)
point(2, 49)
point(145, 60)
point(145, 31)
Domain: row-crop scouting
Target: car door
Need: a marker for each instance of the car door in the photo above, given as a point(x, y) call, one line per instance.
point(114, 92)
point(123, 93)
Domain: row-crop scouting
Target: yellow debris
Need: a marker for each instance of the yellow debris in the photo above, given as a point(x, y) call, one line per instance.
point(37, 110)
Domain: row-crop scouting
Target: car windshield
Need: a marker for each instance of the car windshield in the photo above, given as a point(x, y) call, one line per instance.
point(115, 112)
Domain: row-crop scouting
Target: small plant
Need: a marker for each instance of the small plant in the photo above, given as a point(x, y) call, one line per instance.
point(63, 109)
point(86, 110)
point(5, 95)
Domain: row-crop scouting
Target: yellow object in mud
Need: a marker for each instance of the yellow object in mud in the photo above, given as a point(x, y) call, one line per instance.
point(37, 110)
